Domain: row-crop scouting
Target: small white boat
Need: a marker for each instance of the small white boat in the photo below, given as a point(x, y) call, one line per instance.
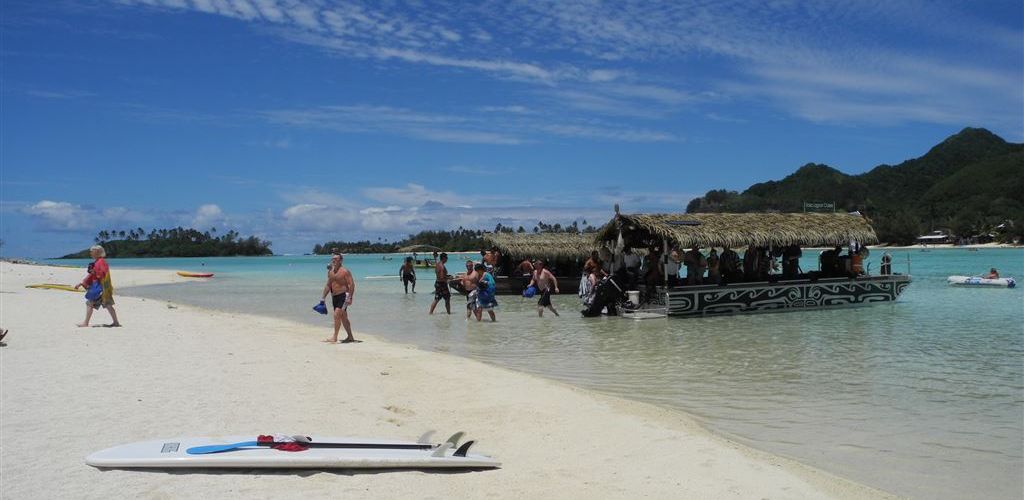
point(979, 281)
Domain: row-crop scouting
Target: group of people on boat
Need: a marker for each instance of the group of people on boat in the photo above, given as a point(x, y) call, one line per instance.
point(695, 267)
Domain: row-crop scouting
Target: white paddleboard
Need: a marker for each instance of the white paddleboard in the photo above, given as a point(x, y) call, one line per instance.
point(978, 281)
point(172, 453)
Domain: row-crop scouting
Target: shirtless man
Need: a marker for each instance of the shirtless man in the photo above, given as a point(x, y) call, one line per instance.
point(469, 281)
point(525, 270)
point(342, 288)
point(441, 290)
point(545, 282)
point(407, 273)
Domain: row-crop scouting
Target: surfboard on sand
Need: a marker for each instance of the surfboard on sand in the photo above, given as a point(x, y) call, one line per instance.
point(55, 286)
point(320, 453)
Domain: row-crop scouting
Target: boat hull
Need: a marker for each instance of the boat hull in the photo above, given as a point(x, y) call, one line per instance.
point(741, 298)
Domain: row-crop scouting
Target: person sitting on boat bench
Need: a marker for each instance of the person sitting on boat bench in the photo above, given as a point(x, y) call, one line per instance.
point(631, 262)
point(695, 265)
point(828, 261)
point(751, 262)
point(729, 263)
point(791, 262)
point(992, 274)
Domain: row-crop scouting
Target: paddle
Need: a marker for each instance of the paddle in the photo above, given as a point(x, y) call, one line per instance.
point(219, 448)
point(422, 444)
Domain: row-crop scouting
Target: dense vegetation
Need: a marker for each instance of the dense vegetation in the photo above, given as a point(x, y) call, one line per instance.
point(175, 242)
point(457, 240)
point(970, 184)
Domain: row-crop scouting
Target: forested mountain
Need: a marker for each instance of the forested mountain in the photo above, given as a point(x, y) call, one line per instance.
point(970, 183)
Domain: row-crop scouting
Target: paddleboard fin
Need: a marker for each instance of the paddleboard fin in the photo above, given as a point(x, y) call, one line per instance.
point(441, 450)
point(461, 452)
point(425, 438)
point(454, 440)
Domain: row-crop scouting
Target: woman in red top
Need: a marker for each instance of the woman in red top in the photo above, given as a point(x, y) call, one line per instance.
point(99, 271)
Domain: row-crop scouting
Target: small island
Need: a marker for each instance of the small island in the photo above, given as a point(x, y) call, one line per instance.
point(175, 242)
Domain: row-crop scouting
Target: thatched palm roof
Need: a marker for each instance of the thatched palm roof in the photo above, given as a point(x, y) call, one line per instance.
point(543, 245)
point(739, 230)
point(419, 248)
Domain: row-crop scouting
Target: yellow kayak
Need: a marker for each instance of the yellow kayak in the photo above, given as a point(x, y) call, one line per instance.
point(194, 275)
point(55, 286)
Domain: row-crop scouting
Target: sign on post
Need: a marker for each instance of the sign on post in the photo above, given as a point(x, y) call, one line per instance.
point(819, 206)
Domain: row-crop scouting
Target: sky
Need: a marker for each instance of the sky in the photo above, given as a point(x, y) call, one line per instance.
point(302, 121)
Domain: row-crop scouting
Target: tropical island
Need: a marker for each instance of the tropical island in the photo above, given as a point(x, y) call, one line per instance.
point(175, 242)
point(970, 185)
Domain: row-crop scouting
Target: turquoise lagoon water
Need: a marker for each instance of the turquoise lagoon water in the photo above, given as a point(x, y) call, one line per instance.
point(923, 397)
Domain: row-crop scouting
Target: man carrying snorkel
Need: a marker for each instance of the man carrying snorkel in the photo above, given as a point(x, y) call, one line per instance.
point(342, 288)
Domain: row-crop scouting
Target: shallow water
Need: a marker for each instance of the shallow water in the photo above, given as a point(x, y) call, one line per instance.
point(923, 397)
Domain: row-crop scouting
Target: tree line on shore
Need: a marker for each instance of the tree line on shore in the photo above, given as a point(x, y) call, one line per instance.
point(175, 242)
point(460, 239)
point(970, 185)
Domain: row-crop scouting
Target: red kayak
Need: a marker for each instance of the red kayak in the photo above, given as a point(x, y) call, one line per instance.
point(195, 275)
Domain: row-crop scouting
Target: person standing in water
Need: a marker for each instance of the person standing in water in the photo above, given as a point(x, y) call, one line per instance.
point(441, 291)
point(545, 283)
point(407, 274)
point(485, 300)
point(99, 271)
point(342, 288)
point(469, 281)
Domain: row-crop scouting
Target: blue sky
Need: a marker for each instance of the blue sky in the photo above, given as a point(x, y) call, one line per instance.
point(307, 120)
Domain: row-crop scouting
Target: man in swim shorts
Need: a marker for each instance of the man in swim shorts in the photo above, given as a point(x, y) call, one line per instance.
point(407, 274)
point(441, 290)
point(469, 284)
point(545, 283)
point(342, 288)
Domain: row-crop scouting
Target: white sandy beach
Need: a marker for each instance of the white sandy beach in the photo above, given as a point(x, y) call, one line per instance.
point(66, 392)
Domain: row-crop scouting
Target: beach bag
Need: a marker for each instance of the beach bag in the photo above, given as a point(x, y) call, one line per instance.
point(530, 292)
point(320, 308)
point(94, 292)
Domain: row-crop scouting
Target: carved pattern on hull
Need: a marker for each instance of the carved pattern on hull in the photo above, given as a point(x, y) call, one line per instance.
point(783, 296)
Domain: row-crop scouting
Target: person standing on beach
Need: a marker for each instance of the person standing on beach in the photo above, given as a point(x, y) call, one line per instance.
point(99, 272)
point(545, 283)
point(342, 288)
point(441, 290)
point(469, 281)
point(407, 274)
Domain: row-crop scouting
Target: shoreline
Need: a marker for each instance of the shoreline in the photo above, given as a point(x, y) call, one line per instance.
point(188, 371)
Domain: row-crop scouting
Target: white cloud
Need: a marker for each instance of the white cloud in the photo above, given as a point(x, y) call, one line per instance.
point(411, 195)
point(862, 57)
point(209, 215)
point(65, 216)
point(61, 215)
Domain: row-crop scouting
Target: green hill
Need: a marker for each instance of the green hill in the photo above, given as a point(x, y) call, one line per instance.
point(969, 183)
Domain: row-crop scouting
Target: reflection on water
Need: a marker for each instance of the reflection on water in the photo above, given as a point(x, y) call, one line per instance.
point(923, 397)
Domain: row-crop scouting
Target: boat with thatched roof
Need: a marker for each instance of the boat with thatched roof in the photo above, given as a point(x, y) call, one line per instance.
point(663, 232)
point(565, 254)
